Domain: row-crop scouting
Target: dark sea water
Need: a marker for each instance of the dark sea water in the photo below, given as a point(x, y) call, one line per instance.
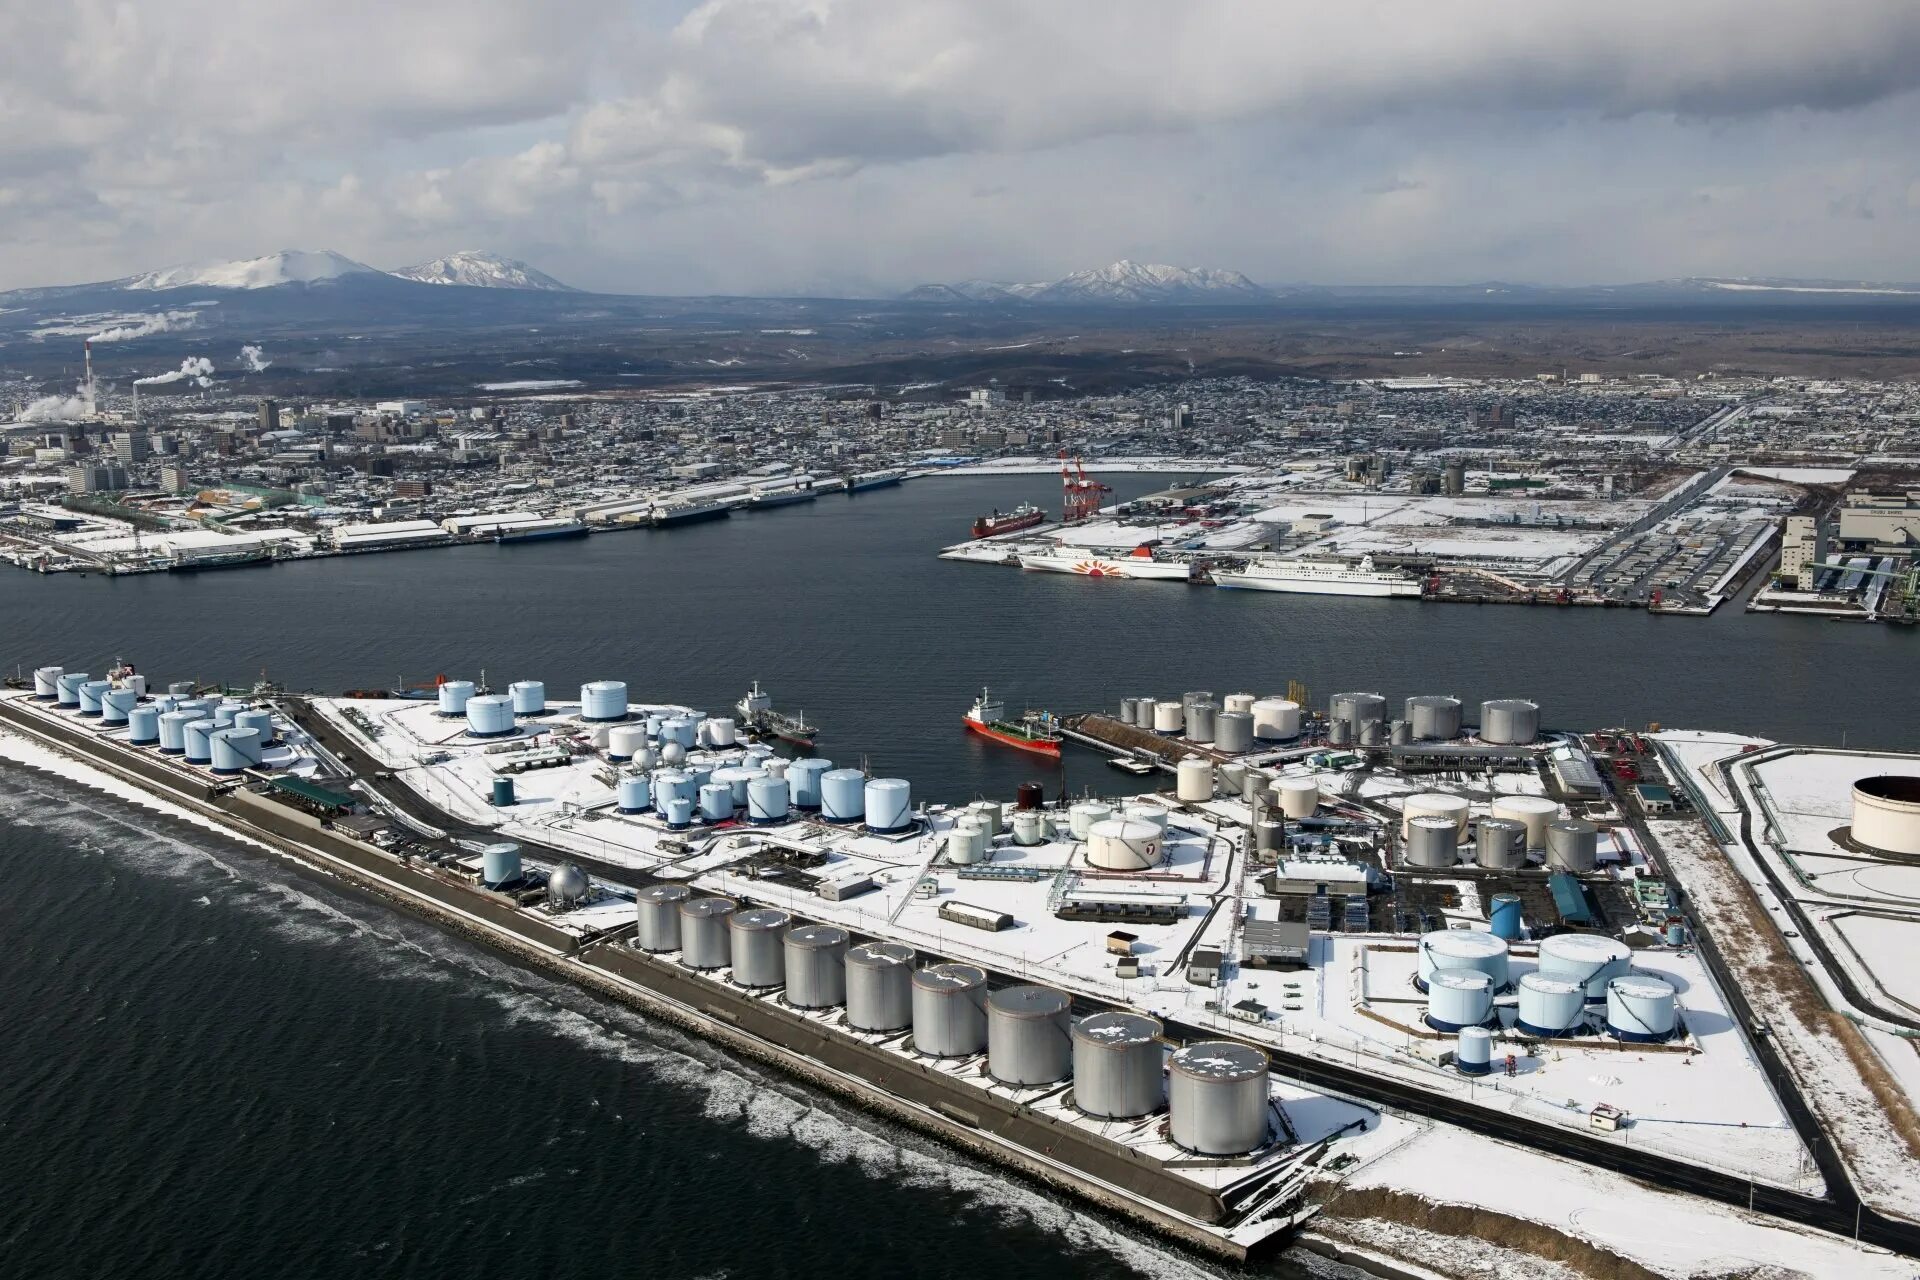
point(213, 1065)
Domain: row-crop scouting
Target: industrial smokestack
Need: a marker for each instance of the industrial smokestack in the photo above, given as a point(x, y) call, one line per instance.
point(87, 396)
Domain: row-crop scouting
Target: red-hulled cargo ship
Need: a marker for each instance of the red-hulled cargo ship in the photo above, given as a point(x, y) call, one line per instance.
point(1024, 516)
point(1031, 732)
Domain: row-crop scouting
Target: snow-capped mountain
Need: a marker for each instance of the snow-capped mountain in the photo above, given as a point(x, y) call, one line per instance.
point(1124, 282)
point(289, 266)
point(482, 271)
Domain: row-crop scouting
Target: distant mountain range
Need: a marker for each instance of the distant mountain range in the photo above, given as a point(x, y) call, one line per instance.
point(1125, 283)
point(313, 266)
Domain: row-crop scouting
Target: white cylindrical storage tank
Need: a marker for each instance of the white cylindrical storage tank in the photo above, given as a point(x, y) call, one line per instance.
point(143, 726)
point(1082, 816)
point(1642, 1009)
point(92, 693)
point(816, 960)
point(776, 767)
point(224, 714)
point(683, 730)
point(1118, 1066)
point(1551, 1006)
point(1029, 827)
point(1590, 959)
point(738, 777)
point(499, 864)
point(1463, 949)
point(669, 785)
point(1473, 1052)
point(843, 795)
point(1297, 797)
point(633, 793)
point(1238, 703)
point(67, 687)
point(116, 703)
point(1118, 844)
point(705, 940)
point(489, 715)
point(453, 697)
point(603, 700)
point(1886, 813)
point(1140, 811)
point(260, 721)
point(949, 1011)
point(759, 948)
point(1433, 804)
point(889, 804)
point(1573, 844)
point(173, 726)
point(1193, 780)
point(1029, 1036)
point(1532, 812)
point(529, 697)
point(766, 800)
point(1233, 732)
point(1200, 718)
point(1500, 844)
point(723, 731)
point(1432, 841)
point(716, 802)
point(233, 750)
point(46, 683)
point(1509, 721)
point(1275, 719)
point(803, 782)
point(197, 740)
point(966, 842)
point(1458, 998)
point(1433, 719)
point(1217, 1098)
point(658, 914)
point(1169, 717)
point(879, 987)
point(625, 741)
point(991, 816)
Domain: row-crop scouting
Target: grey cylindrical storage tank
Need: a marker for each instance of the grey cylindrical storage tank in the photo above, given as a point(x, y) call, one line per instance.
point(949, 1011)
point(46, 683)
point(759, 951)
point(1509, 721)
point(816, 959)
point(603, 700)
point(889, 805)
point(173, 730)
point(258, 719)
point(657, 909)
point(1217, 1098)
point(1233, 731)
point(1357, 709)
point(1029, 1036)
point(529, 697)
point(489, 715)
point(1193, 696)
point(143, 726)
point(1500, 844)
point(880, 987)
point(1199, 721)
point(1340, 733)
point(843, 795)
point(1432, 841)
point(181, 688)
point(116, 703)
point(1573, 844)
point(454, 695)
point(1373, 733)
point(67, 687)
point(197, 740)
point(1129, 710)
point(1117, 1066)
point(1434, 719)
point(499, 864)
point(1400, 733)
point(705, 940)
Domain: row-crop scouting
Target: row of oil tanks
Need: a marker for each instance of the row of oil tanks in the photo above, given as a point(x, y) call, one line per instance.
point(1360, 719)
point(492, 715)
point(225, 736)
point(1434, 833)
point(1216, 1093)
point(1576, 975)
point(1233, 725)
point(766, 790)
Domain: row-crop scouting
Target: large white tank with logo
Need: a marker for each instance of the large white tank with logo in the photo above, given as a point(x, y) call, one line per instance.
point(1119, 844)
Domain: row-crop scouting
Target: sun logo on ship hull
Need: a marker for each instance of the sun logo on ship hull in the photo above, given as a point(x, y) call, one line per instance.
point(1098, 569)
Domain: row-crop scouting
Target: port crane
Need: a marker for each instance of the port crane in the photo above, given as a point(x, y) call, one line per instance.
point(1906, 582)
point(1080, 493)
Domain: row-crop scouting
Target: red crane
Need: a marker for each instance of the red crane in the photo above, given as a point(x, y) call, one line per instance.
point(1080, 494)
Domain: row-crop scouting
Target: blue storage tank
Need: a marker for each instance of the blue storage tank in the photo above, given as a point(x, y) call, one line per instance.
point(489, 715)
point(737, 777)
point(1551, 1006)
point(843, 795)
point(1642, 1009)
point(453, 697)
point(166, 702)
point(68, 688)
point(767, 799)
point(684, 730)
point(603, 700)
point(633, 793)
point(1504, 919)
point(716, 802)
point(1473, 1052)
point(502, 792)
point(529, 697)
point(679, 813)
point(234, 750)
point(803, 782)
point(1458, 998)
point(224, 714)
point(260, 720)
point(143, 726)
point(173, 730)
point(46, 683)
point(116, 703)
point(670, 785)
point(499, 864)
point(889, 804)
point(196, 734)
point(654, 722)
point(1676, 932)
point(90, 695)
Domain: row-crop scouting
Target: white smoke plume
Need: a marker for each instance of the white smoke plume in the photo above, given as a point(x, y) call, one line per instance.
point(195, 369)
point(251, 357)
point(158, 322)
point(55, 409)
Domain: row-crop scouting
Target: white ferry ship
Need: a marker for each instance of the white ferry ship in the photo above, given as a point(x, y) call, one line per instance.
point(1320, 578)
point(1137, 564)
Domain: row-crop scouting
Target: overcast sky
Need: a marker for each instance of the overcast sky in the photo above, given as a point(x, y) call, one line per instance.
point(867, 145)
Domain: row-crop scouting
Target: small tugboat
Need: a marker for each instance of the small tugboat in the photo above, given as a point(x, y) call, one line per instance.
point(1033, 731)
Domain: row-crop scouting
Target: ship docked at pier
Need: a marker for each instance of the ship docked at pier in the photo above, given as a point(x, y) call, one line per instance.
point(1319, 578)
point(1141, 562)
point(1024, 516)
point(1032, 731)
point(757, 714)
